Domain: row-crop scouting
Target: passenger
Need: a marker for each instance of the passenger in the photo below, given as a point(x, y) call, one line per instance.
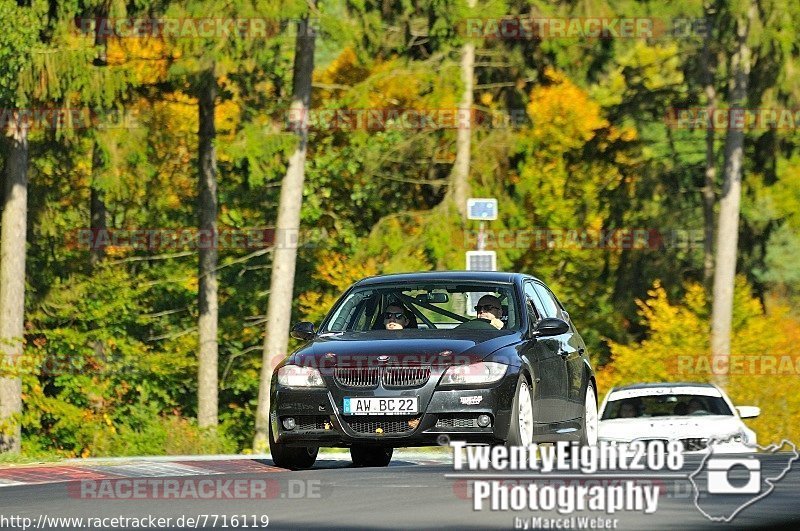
point(627, 410)
point(695, 404)
point(395, 317)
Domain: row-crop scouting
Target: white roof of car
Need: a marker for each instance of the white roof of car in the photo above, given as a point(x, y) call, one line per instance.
point(622, 394)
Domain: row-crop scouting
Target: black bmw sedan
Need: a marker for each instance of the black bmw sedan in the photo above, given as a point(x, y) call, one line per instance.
point(401, 360)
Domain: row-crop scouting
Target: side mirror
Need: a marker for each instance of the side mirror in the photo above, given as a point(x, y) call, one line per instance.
point(748, 412)
point(303, 330)
point(550, 326)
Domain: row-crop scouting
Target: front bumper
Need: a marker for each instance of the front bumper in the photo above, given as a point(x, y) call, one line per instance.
point(442, 411)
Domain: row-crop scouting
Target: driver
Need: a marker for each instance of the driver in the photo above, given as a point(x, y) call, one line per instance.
point(489, 314)
point(489, 309)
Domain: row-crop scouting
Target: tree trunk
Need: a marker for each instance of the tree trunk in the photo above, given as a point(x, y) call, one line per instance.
point(97, 210)
point(728, 227)
point(459, 178)
point(97, 205)
point(207, 270)
point(12, 286)
point(101, 36)
point(708, 192)
point(284, 254)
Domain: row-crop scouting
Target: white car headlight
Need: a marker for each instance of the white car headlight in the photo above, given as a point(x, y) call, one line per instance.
point(297, 376)
point(483, 372)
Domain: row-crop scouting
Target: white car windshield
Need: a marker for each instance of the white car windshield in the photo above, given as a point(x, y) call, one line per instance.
point(665, 405)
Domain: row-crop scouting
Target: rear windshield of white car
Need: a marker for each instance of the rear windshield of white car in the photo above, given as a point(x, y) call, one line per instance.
point(667, 405)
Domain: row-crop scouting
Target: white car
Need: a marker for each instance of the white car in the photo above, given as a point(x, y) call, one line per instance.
point(692, 413)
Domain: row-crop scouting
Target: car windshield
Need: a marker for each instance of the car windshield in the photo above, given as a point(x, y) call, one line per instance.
point(426, 306)
point(666, 405)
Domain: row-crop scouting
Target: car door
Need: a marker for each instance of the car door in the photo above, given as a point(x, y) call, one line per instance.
point(571, 349)
point(551, 392)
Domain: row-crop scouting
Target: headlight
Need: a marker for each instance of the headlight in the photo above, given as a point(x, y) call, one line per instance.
point(296, 376)
point(482, 372)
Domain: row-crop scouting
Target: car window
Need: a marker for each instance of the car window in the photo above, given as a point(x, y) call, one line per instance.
point(433, 311)
point(440, 306)
point(531, 295)
point(667, 405)
point(548, 300)
point(532, 314)
point(365, 313)
point(346, 311)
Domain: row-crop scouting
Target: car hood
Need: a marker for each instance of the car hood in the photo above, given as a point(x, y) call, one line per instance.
point(709, 426)
point(404, 347)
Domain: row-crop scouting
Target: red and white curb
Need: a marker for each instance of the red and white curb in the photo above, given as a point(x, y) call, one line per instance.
point(143, 468)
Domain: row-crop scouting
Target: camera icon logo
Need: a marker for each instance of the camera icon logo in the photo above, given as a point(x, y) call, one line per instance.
point(725, 486)
point(719, 476)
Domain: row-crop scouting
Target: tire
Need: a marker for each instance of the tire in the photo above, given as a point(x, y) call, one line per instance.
point(589, 421)
point(364, 456)
point(520, 432)
point(292, 458)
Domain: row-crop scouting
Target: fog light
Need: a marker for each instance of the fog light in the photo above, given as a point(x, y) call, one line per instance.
point(484, 421)
point(289, 423)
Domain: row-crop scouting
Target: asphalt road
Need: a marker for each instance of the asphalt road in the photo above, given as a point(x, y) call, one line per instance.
point(418, 492)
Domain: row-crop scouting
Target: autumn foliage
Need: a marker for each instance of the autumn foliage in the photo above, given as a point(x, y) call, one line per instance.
point(572, 137)
point(764, 365)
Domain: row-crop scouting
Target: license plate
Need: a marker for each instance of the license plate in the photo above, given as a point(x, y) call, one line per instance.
point(380, 406)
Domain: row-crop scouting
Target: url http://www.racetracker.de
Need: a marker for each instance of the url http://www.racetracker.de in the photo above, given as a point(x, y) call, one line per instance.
point(199, 521)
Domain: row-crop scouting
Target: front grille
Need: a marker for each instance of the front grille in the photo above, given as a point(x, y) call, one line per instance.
point(692, 445)
point(383, 425)
point(312, 422)
point(359, 377)
point(405, 376)
point(457, 421)
point(393, 377)
point(648, 441)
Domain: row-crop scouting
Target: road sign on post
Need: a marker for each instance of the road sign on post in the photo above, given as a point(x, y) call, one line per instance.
point(483, 209)
point(481, 261)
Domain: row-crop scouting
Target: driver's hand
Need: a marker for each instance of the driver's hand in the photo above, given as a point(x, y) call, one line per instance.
point(497, 323)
